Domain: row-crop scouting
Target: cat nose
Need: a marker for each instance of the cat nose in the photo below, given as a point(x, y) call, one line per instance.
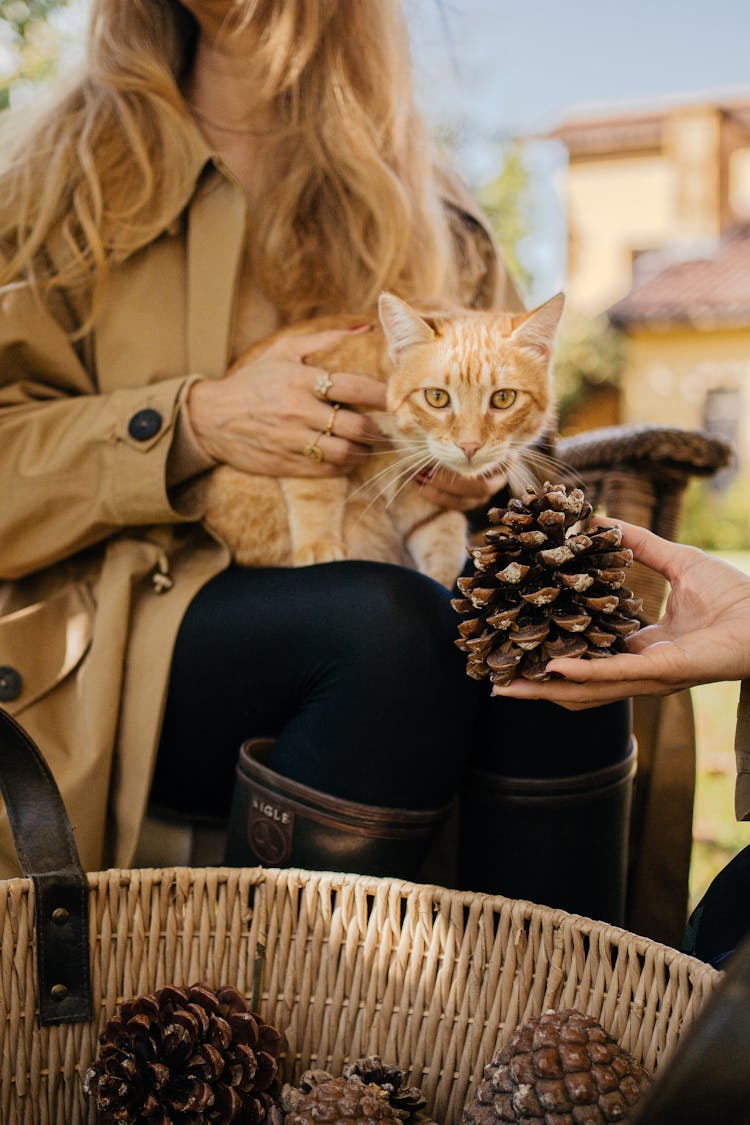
point(469, 448)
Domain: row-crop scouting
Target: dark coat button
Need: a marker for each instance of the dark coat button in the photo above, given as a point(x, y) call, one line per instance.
point(11, 684)
point(144, 424)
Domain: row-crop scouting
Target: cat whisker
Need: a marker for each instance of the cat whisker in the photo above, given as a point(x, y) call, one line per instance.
point(410, 478)
point(395, 465)
point(409, 472)
point(411, 463)
point(552, 466)
point(407, 466)
point(518, 473)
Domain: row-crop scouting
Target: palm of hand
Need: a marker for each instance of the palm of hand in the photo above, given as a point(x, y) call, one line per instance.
point(704, 634)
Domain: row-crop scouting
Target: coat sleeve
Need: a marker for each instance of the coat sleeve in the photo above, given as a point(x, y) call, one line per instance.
point(76, 465)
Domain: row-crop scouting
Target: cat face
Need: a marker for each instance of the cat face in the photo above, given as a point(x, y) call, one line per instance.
point(475, 387)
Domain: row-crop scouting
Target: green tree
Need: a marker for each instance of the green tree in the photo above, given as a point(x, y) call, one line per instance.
point(589, 353)
point(30, 43)
point(506, 203)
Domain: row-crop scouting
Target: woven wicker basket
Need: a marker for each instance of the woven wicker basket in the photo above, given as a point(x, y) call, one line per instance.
point(431, 978)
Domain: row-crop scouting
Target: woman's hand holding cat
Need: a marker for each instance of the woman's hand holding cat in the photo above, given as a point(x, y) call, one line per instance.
point(450, 490)
point(265, 412)
point(703, 636)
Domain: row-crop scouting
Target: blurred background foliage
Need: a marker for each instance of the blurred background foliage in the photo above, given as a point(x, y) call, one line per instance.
point(29, 43)
point(589, 355)
point(717, 519)
point(506, 202)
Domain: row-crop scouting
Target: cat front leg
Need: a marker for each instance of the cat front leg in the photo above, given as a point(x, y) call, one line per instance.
point(435, 537)
point(438, 546)
point(315, 513)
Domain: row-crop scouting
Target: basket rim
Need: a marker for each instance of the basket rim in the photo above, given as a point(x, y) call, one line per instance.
point(616, 935)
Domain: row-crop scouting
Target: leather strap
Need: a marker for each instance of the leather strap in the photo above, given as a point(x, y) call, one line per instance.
point(48, 855)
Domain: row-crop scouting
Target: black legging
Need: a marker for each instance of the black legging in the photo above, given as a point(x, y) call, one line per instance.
point(352, 667)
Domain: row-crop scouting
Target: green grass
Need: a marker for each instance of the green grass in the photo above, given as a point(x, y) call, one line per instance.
point(717, 836)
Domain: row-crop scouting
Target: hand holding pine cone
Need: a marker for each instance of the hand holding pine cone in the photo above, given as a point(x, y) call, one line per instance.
point(185, 1055)
point(543, 589)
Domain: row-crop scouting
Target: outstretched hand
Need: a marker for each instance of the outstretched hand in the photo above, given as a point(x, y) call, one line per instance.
point(703, 636)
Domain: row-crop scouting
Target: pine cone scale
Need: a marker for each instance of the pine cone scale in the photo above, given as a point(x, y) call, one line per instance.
point(185, 1055)
point(544, 588)
point(560, 1068)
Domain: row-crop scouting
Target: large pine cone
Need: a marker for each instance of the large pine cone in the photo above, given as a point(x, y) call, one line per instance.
point(560, 1068)
point(185, 1055)
point(407, 1102)
point(541, 590)
point(355, 1103)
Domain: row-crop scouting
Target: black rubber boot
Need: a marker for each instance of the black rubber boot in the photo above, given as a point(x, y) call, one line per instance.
point(560, 842)
point(278, 822)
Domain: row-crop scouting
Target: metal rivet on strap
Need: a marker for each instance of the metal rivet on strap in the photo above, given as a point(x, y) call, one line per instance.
point(60, 915)
point(58, 991)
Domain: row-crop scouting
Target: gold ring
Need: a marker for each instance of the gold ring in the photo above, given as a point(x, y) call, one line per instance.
point(327, 432)
point(313, 452)
point(323, 384)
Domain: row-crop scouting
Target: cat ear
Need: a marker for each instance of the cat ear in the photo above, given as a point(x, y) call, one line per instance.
point(403, 327)
point(536, 329)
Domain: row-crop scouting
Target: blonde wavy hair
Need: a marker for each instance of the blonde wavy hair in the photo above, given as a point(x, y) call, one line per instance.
point(358, 209)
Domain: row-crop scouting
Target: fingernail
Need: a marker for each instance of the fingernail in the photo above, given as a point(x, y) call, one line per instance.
point(361, 328)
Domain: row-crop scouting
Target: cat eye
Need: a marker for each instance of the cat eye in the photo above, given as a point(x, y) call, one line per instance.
point(501, 400)
point(437, 397)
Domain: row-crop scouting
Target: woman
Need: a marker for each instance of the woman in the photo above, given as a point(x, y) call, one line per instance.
point(222, 168)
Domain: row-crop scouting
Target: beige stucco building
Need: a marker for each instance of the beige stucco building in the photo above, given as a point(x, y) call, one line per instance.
point(659, 237)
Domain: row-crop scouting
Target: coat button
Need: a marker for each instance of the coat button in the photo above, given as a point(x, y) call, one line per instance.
point(11, 684)
point(144, 424)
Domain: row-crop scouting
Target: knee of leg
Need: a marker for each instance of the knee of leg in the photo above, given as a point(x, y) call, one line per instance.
point(398, 605)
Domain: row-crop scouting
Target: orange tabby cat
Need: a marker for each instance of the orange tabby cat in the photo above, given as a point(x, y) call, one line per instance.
point(468, 390)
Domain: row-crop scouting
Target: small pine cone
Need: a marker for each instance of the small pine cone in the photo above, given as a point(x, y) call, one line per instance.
point(541, 589)
point(291, 1096)
point(560, 1068)
point(407, 1102)
point(355, 1103)
point(185, 1055)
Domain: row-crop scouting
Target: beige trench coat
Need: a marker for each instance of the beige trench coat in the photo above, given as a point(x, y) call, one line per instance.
point(87, 524)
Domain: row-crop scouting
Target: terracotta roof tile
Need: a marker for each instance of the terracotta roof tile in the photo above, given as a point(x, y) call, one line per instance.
point(640, 129)
point(702, 291)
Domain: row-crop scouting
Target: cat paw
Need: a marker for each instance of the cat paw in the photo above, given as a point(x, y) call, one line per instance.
point(322, 552)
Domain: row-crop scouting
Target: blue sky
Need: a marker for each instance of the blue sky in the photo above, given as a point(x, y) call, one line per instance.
point(507, 67)
point(494, 69)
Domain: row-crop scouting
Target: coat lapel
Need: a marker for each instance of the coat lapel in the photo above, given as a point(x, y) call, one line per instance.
point(215, 241)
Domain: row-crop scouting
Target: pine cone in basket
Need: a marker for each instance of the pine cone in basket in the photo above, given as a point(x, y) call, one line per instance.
point(560, 1068)
point(541, 590)
point(407, 1102)
point(185, 1055)
point(338, 1099)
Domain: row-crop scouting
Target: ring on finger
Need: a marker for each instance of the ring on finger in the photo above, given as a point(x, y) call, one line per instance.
point(332, 420)
point(323, 384)
point(313, 452)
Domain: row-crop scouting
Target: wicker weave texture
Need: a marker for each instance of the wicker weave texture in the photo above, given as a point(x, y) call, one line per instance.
point(691, 451)
point(433, 979)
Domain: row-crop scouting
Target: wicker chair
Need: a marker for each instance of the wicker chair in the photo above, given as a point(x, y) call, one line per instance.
point(638, 473)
